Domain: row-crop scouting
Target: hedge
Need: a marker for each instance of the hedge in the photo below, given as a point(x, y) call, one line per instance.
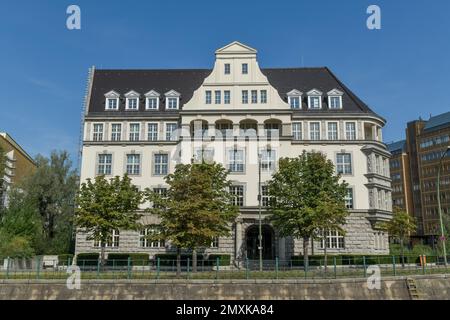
point(121, 259)
point(167, 259)
point(65, 259)
point(87, 259)
point(318, 260)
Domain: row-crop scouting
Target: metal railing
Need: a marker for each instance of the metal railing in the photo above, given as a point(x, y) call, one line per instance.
point(336, 267)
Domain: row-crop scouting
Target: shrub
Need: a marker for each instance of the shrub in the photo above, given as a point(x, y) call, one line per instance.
point(87, 259)
point(65, 259)
point(121, 259)
point(168, 259)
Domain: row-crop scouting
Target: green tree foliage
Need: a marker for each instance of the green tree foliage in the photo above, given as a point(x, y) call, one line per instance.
point(307, 198)
point(196, 208)
point(104, 206)
point(400, 227)
point(2, 163)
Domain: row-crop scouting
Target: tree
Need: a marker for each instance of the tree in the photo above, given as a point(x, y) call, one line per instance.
point(104, 206)
point(400, 227)
point(52, 187)
point(2, 164)
point(306, 192)
point(196, 209)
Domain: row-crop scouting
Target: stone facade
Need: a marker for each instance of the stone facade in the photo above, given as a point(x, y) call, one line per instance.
point(237, 108)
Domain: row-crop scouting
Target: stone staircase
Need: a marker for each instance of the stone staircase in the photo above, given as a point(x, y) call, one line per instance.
point(412, 288)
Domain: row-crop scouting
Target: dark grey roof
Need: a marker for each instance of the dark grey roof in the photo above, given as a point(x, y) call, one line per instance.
point(188, 80)
point(396, 146)
point(438, 122)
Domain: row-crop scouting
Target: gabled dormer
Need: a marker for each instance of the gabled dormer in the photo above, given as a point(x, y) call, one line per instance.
point(295, 99)
point(335, 99)
point(152, 100)
point(132, 100)
point(112, 100)
point(314, 99)
point(172, 100)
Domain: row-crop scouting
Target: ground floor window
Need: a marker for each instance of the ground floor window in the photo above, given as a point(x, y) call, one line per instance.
point(215, 242)
point(112, 242)
point(144, 240)
point(332, 239)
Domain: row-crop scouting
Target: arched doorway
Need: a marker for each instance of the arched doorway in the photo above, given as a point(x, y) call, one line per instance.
point(252, 242)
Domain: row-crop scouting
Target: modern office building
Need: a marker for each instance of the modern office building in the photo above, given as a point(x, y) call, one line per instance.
point(18, 165)
point(414, 173)
point(143, 122)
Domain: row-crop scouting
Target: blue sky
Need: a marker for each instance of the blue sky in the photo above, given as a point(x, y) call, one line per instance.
point(402, 71)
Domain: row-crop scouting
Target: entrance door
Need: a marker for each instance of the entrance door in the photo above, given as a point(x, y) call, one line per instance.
point(252, 242)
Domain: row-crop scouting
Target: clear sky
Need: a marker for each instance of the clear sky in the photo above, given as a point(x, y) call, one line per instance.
point(401, 71)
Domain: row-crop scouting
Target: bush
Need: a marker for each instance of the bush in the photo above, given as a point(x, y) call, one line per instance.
point(15, 247)
point(316, 260)
point(87, 259)
point(167, 259)
point(121, 259)
point(65, 259)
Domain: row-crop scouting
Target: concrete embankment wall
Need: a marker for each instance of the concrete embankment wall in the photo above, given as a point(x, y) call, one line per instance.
point(430, 287)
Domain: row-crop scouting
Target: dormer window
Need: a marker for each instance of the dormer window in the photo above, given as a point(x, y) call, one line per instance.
point(112, 100)
point(152, 100)
point(315, 99)
point(295, 99)
point(172, 100)
point(132, 102)
point(335, 99)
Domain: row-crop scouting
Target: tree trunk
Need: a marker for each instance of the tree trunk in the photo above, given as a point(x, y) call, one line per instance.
point(178, 262)
point(305, 252)
point(312, 247)
point(325, 263)
point(102, 254)
point(402, 253)
point(194, 261)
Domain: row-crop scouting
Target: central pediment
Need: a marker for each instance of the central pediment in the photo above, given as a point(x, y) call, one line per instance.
point(236, 48)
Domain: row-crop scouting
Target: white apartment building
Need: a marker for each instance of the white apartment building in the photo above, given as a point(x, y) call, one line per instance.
point(144, 122)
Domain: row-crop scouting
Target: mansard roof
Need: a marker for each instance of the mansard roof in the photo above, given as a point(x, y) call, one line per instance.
point(186, 81)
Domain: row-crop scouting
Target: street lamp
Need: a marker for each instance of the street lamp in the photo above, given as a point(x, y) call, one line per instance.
point(260, 247)
point(439, 204)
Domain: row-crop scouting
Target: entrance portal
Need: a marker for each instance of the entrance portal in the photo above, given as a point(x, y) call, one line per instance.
point(252, 242)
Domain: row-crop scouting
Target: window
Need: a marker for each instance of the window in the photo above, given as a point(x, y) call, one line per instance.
point(152, 132)
point(134, 131)
point(172, 103)
point(104, 164)
point(272, 129)
point(236, 160)
point(144, 240)
point(349, 199)
point(335, 102)
point(218, 97)
point(314, 131)
point(294, 102)
point(98, 132)
point(132, 103)
point(133, 164)
point(268, 160)
point(112, 103)
point(112, 242)
point(162, 192)
point(215, 242)
point(116, 132)
point(315, 102)
point(161, 164)
point(244, 68)
point(227, 68)
point(297, 130)
point(332, 131)
point(171, 131)
point(204, 155)
point(152, 103)
point(350, 131)
point(226, 97)
point(208, 97)
point(238, 193)
point(254, 96)
point(344, 163)
point(332, 239)
point(263, 97)
point(265, 196)
point(244, 96)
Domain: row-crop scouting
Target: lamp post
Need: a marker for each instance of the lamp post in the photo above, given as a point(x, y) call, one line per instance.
point(439, 204)
point(260, 247)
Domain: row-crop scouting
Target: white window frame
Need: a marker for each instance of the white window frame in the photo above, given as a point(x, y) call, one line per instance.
point(350, 134)
point(134, 166)
point(311, 132)
point(104, 164)
point(238, 199)
point(350, 198)
point(268, 160)
point(166, 131)
point(113, 242)
point(112, 95)
point(132, 95)
point(297, 130)
point(152, 135)
point(335, 93)
point(234, 162)
point(345, 165)
point(217, 97)
point(314, 94)
point(330, 132)
point(170, 95)
point(144, 242)
point(244, 69)
point(133, 134)
point(244, 101)
point(254, 96)
point(332, 239)
point(263, 96)
point(227, 97)
point(150, 96)
point(227, 68)
point(208, 97)
point(295, 94)
point(97, 135)
point(116, 135)
point(160, 164)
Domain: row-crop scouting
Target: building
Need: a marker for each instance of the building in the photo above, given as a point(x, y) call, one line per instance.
point(18, 165)
point(144, 121)
point(425, 143)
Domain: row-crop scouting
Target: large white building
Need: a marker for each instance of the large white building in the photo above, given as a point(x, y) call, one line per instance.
point(145, 121)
